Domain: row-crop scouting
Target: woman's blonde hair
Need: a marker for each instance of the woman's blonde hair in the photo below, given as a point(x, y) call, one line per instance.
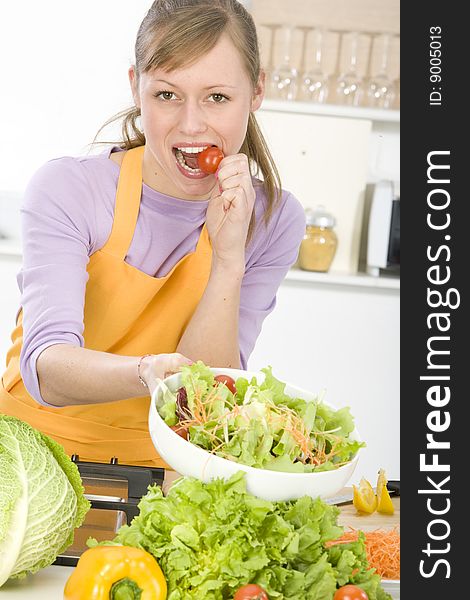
point(175, 34)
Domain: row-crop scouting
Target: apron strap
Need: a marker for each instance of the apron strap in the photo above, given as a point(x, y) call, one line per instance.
point(126, 211)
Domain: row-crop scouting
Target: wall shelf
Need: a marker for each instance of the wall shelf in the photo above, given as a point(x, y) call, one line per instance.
point(349, 279)
point(10, 248)
point(332, 110)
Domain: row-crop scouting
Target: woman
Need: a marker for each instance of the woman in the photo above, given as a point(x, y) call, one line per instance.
point(135, 261)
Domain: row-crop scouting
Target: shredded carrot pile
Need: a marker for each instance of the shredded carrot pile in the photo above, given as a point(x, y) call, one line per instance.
point(382, 548)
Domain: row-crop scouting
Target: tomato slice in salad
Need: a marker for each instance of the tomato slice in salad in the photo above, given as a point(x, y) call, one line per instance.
point(228, 381)
point(181, 430)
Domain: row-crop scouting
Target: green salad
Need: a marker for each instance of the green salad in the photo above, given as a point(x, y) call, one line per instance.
point(210, 539)
point(258, 424)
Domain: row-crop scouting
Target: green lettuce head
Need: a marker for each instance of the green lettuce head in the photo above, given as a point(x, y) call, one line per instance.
point(41, 499)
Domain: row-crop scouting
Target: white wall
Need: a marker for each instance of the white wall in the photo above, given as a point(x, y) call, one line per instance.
point(64, 73)
point(9, 303)
point(343, 340)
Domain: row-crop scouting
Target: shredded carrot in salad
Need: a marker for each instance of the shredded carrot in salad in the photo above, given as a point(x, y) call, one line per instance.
point(316, 447)
point(382, 549)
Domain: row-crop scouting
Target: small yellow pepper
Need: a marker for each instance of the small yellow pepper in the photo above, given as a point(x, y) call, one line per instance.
point(116, 573)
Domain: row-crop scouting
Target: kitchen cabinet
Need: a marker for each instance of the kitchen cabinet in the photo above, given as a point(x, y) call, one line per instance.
point(332, 155)
point(383, 148)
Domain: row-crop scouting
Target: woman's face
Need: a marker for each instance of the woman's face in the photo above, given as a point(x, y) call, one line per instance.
point(204, 104)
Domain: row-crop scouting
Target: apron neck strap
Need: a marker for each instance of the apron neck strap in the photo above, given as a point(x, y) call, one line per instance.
point(128, 196)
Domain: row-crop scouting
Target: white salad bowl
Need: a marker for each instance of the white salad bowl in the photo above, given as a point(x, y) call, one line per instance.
point(190, 460)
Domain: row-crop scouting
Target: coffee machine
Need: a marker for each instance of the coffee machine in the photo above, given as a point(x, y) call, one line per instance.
point(383, 241)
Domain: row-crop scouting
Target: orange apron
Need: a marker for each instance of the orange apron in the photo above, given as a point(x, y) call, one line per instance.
point(127, 312)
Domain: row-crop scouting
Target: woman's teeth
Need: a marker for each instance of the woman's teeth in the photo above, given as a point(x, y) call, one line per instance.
point(180, 158)
point(192, 149)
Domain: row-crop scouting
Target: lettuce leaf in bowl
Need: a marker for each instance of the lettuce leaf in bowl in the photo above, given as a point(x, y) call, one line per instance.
point(260, 425)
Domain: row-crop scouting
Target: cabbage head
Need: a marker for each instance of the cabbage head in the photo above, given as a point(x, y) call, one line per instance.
point(41, 499)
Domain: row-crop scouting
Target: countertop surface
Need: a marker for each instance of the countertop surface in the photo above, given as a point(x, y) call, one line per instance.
point(359, 279)
point(10, 249)
point(48, 584)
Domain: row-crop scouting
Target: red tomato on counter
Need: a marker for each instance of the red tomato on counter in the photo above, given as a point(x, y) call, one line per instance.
point(209, 159)
point(350, 592)
point(251, 592)
point(228, 381)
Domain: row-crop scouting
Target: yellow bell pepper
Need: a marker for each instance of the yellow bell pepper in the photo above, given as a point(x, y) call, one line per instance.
point(384, 502)
point(364, 499)
point(116, 573)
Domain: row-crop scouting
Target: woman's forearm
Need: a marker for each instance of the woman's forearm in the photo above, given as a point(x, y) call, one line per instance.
point(69, 375)
point(212, 333)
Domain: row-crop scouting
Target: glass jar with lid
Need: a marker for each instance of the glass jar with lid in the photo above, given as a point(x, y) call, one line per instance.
point(318, 247)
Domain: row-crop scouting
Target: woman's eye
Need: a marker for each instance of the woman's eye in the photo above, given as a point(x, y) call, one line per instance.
point(166, 95)
point(218, 98)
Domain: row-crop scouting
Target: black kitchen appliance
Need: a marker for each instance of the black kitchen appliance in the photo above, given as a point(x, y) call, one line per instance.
point(383, 242)
point(114, 491)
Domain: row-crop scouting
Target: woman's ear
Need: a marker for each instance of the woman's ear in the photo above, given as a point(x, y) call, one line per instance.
point(134, 85)
point(258, 94)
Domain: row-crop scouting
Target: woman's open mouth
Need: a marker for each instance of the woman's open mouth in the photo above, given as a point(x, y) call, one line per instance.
point(186, 161)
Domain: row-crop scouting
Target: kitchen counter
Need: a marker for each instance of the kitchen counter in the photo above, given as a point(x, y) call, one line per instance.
point(11, 248)
point(349, 517)
point(359, 279)
point(49, 583)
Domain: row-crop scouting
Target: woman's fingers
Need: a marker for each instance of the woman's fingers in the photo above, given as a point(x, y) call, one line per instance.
point(230, 207)
point(233, 166)
point(172, 363)
point(234, 181)
point(163, 365)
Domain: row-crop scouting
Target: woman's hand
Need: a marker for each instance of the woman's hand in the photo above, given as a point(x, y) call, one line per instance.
point(229, 210)
point(159, 366)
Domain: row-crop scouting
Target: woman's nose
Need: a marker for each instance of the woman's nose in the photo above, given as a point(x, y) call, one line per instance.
point(192, 119)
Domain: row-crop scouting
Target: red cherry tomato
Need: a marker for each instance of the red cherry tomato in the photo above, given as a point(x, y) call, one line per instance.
point(228, 381)
point(251, 592)
point(209, 159)
point(181, 431)
point(350, 592)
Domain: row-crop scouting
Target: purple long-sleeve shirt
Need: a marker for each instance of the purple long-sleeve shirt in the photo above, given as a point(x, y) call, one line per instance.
point(67, 215)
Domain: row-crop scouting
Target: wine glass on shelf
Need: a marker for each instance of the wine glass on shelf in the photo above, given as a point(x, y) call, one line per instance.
point(381, 90)
point(333, 76)
point(349, 84)
point(396, 101)
point(396, 75)
point(273, 27)
point(314, 85)
point(283, 80)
